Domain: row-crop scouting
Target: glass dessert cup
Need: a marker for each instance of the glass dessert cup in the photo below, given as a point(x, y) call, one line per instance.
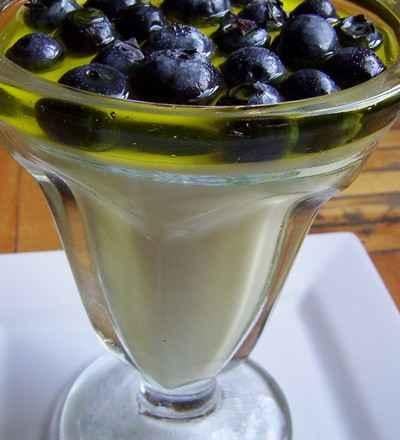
point(181, 224)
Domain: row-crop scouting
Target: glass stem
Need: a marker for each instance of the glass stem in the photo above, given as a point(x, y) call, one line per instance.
point(184, 403)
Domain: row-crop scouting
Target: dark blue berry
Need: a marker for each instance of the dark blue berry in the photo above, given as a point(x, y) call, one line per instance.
point(307, 41)
point(177, 77)
point(36, 52)
point(251, 64)
point(353, 65)
point(267, 13)
point(121, 55)
point(358, 31)
point(323, 132)
point(323, 8)
point(251, 94)
point(139, 20)
point(85, 31)
point(97, 78)
point(110, 7)
point(179, 36)
point(76, 125)
point(196, 10)
point(235, 33)
point(48, 14)
point(307, 83)
point(259, 139)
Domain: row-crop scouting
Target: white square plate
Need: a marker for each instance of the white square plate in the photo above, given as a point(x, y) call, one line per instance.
point(333, 343)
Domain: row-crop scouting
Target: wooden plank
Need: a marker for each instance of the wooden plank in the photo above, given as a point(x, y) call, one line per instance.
point(9, 184)
point(384, 159)
point(391, 139)
point(377, 237)
point(374, 182)
point(35, 229)
point(360, 210)
point(388, 264)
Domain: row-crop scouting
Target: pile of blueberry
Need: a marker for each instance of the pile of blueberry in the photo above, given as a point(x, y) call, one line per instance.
point(156, 54)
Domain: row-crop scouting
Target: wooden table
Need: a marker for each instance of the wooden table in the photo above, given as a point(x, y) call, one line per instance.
point(370, 208)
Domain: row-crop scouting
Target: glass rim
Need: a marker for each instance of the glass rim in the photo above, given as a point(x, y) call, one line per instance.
point(382, 88)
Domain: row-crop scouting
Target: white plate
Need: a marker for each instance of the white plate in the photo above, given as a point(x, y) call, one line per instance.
point(333, 343)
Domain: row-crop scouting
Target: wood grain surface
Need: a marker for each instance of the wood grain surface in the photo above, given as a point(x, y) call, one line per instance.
point(370, 208)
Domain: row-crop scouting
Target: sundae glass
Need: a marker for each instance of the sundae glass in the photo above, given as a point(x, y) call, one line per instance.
point(181, 223)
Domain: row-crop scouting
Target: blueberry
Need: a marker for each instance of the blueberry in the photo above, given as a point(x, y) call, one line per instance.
point(36, 52)
point(48, 14)
point(180, 36)
point(259, 139)
point(97, 78)
point(307, 83)
point(110, 7)
point(353, 65)
point(173, 138)
point(268, 13)
point(85, 31)
point(177, 76)
point(307, 41)
point(123, 56)
point(73, 124)
point(139, 20)
point(85, 127)
point(251, 64)
point(196, 10)
point(323, 8)
point(319, 133)
point(235, 33)
point(251, 94)
point(358, 31)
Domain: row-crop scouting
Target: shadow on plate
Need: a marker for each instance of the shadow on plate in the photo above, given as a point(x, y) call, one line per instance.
point(320, 324)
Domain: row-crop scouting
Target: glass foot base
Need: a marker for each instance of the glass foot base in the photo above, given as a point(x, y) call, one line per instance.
point(102, 405)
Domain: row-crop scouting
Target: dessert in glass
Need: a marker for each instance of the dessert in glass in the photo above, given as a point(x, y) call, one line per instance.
point(184, 149)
